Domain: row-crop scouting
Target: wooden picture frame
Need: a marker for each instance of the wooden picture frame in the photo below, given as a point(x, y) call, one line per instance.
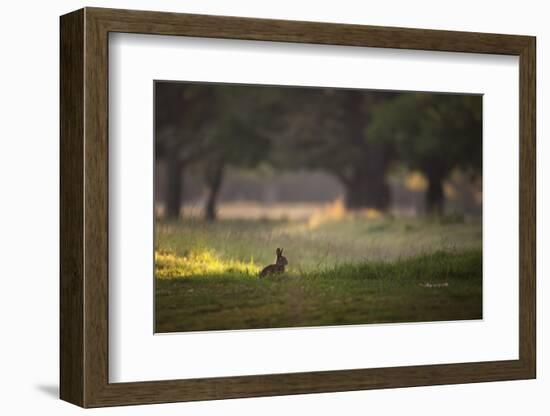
point(84, 207)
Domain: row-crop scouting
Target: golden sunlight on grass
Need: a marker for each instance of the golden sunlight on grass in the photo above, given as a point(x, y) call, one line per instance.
point(336, 211)
point(203, 263)
point(250, 210)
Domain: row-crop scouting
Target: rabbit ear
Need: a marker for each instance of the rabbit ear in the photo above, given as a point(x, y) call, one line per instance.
point(278, 251)
point(281, 251)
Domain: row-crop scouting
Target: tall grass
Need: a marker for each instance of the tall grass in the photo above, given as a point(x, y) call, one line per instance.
point(348, 241)
point(350, 271)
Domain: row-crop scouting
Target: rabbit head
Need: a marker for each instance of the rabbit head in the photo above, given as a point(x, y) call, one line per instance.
point(281, 260)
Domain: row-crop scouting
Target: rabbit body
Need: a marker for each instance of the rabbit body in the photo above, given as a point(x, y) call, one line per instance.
point(278, 267)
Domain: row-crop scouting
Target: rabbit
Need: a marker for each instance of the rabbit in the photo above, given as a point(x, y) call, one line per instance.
point(278, 267)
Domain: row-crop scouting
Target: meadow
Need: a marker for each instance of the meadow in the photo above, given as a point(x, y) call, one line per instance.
point(350, 270)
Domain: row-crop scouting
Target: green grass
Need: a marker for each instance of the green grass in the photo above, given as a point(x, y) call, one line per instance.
point(353, 271)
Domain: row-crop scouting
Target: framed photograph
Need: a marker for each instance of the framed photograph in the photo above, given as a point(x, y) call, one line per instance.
point(254, 207)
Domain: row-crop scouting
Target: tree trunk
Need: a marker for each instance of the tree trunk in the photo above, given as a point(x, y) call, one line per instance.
point(376, 164)
point(355, 197)
point(368, 187)
point(174, 184)
point(435, 198)
point(367, 192)
point(214, 182)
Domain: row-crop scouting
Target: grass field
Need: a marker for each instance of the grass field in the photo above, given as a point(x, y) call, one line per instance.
point(351, 271)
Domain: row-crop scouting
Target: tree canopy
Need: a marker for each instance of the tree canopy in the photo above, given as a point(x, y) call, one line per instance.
point(355, 135)
point(433, 133)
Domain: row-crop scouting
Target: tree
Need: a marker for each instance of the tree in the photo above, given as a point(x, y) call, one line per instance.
point(181, 114)
point(327, 129)
point(234, 134)
point(207, 128)
point(434, 133)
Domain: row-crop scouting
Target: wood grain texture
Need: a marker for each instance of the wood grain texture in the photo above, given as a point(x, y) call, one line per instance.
point(71, 213)
point(84, 207)
point(96, 217)
point(226, 27)
point(527, 207)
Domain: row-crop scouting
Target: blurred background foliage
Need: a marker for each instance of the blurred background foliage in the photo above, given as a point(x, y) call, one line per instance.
point(255, 149)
